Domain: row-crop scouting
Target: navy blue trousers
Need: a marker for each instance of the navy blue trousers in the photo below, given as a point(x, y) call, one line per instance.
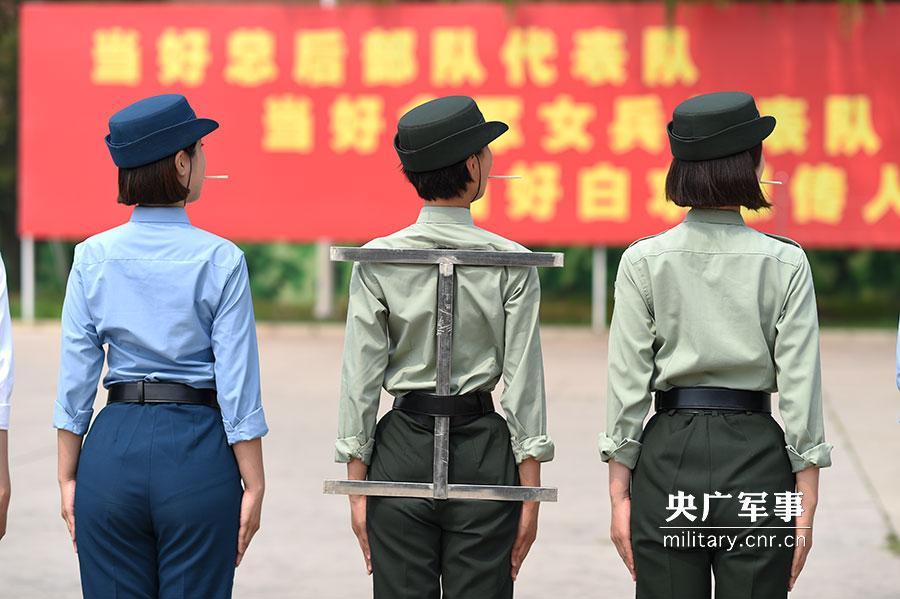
point(157, 504)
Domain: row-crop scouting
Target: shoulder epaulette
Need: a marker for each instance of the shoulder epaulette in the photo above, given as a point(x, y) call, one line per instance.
point(784, 239)
point(636, 241)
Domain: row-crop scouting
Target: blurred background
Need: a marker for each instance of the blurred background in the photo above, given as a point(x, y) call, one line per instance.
point(857, 286)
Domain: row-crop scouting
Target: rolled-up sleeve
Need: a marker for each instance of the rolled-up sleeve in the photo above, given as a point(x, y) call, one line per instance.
point(6, 351)
point(365, 358)
point(236, 354)
point(631, 362)
point(524, 397)
point(81, 359)
point(799, 373)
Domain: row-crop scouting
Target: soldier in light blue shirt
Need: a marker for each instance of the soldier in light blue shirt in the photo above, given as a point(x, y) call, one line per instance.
point(160, 507)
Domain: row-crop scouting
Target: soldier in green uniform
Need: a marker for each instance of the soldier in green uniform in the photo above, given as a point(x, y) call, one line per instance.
point(712, 316)
point(416, 548)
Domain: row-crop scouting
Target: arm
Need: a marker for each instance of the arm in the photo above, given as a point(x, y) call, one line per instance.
point(632, 336)
point(357, 470)
point(250, 463)
point(234, 346)
point(6, 383)
point(6, 352)
point(799, 374)
point(631, 363)
point(620, 524)
point(808, 485)
point(68, 450)
point(80, 363)
point(81, 360)
point(5, 488)
point(898, 357)
point(799, 378)
point(524, 398)
point(365, 358)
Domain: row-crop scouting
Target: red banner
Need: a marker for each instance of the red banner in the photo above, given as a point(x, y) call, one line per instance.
point(308, 99)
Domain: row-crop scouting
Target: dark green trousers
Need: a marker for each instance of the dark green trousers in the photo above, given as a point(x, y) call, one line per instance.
point(706, 452)
point(421, 545)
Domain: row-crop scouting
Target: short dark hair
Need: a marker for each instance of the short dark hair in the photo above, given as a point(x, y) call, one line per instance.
point(443, 183)
point(155, 183)
point(728, 181)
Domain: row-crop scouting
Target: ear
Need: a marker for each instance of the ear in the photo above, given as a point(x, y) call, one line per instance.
point(472, 165)
point(182, 163)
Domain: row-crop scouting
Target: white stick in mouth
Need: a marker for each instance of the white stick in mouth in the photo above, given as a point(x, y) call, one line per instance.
point(767, 182)
point(504, 176)
point(216, 176)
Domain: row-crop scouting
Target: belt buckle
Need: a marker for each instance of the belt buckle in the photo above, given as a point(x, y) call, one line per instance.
point(141, 391)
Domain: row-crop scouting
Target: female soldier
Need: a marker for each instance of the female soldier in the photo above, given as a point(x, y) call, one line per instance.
point(156, 490)
point(713, 316)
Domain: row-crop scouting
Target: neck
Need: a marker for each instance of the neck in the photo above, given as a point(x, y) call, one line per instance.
point(458, 202)
point(180, 204)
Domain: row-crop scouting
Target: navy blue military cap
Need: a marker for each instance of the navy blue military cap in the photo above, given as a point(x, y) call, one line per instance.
point(153, 128)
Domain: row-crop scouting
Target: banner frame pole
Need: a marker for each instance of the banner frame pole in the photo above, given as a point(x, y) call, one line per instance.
point(324, 306)
point(27, 278)
point(598, 289)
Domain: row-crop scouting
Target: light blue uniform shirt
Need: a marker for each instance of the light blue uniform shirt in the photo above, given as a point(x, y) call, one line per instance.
point(171, 303)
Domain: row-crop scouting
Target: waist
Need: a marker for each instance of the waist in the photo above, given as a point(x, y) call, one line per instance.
point(713, 398)
point(147, 392)
point(461, 409)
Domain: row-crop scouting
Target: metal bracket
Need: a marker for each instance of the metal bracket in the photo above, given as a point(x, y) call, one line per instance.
point(446, 260)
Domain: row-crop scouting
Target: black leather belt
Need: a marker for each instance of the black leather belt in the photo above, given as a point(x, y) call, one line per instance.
point(713, 398)
point(152, 392)
point(460, 408)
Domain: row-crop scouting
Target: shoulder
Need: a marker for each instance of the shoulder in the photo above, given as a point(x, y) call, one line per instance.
point(197, 243)
point(96, 247)
point(223, 252)
point(645, 245)
point(500, 243)
point(783, 239)
point(783, 248)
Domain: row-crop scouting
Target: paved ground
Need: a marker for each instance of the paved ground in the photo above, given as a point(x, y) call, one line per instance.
point(306, 549)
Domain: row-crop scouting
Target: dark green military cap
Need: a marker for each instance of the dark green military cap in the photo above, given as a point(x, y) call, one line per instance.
point(717, 125)
point(443, 132)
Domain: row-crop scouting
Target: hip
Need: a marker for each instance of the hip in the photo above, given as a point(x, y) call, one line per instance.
point(479, 448)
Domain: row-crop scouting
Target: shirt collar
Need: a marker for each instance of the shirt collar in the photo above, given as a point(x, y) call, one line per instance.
point(450, 215)
point(714, 215)
point(159, 214)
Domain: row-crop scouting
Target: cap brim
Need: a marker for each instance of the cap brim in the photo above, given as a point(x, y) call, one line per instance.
point(450, 150)
point(726, 142)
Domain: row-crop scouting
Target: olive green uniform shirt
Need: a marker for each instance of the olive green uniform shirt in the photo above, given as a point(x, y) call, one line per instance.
point(714, 303)
point(390, 339)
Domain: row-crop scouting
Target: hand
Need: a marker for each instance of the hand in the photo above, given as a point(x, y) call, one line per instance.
point(358, 524)
point(620, 532)
point(808, 488)
point(802, 544)
point(67, 501)
point(251, 512)
point(528, 521)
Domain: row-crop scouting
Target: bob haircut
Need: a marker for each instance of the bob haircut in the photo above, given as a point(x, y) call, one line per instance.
point(154, 184)
point(728, 181)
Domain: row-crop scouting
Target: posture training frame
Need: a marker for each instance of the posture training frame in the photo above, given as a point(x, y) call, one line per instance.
point(446, 260)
